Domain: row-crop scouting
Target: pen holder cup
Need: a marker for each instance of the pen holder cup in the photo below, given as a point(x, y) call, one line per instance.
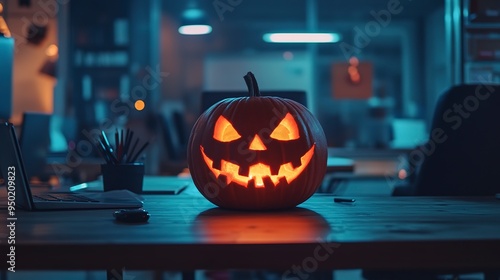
point(123, 177)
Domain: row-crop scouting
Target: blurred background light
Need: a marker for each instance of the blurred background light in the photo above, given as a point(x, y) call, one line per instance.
point(195, 29)
point(301, 37)
point(52, 50)
point(194, 21)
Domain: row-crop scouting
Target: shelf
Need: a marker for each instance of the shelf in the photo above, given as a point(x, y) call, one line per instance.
point(482, 26)
point(480, 63)
point(482, 72)
point(101, 59)
point(481, 41)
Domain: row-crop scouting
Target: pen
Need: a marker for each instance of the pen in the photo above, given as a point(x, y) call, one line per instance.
point(339, 200)
point(102, 152)
point(107, 147)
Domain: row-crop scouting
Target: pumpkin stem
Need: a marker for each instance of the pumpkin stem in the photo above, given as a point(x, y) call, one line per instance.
point(253, 87)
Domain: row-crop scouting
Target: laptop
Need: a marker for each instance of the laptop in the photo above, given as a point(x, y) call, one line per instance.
point(16, 181)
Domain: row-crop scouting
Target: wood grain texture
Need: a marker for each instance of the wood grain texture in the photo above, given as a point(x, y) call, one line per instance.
point(188, 232)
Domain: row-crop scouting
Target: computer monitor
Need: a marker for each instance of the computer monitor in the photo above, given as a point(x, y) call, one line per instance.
point(6, 60)
point(209, 98)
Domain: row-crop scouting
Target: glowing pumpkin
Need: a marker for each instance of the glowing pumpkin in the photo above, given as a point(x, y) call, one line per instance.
point(257, 152)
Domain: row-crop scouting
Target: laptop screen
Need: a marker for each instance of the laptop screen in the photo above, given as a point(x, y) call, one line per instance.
point(35, 143)
point(12, 168)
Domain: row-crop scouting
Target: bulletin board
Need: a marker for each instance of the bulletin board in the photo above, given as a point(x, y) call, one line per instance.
point(343, 87)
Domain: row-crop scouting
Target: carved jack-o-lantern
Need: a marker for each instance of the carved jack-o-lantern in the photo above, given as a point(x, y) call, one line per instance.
point(257, 152)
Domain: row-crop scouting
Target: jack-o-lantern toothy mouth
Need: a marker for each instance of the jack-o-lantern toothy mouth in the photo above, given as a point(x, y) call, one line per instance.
point(258, 171)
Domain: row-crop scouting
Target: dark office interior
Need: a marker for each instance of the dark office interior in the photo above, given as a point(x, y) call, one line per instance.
point(396, 100)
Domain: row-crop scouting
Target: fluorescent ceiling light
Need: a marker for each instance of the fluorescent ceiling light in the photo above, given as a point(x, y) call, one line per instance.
point(301, 37)
point(198, 29)
point(194, 21)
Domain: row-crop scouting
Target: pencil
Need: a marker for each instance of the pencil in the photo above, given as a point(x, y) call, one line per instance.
point(339, 200)
point(140, 151)
point(133, 149)
point(117, 145)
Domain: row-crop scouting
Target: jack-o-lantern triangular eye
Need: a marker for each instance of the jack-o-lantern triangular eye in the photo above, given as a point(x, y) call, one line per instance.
point(224, 131)
point(286, 130)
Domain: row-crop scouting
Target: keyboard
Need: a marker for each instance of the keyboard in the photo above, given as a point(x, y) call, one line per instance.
point(62, 197)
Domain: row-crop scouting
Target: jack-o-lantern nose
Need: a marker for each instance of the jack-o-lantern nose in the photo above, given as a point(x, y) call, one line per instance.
point(257, 144)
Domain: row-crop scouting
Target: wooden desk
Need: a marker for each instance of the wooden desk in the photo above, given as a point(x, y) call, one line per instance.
point(185, 232)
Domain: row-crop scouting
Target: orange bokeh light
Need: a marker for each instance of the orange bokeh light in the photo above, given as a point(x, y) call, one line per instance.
point(139, 105)
point(52, 50)
point(402, 174)
point(352, 70)
point(354, 61)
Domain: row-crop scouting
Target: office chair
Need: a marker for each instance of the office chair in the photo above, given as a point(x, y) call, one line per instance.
point(466, 159)
point(461, 156)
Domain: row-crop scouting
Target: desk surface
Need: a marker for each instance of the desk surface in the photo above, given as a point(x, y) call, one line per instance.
point(187, 232)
